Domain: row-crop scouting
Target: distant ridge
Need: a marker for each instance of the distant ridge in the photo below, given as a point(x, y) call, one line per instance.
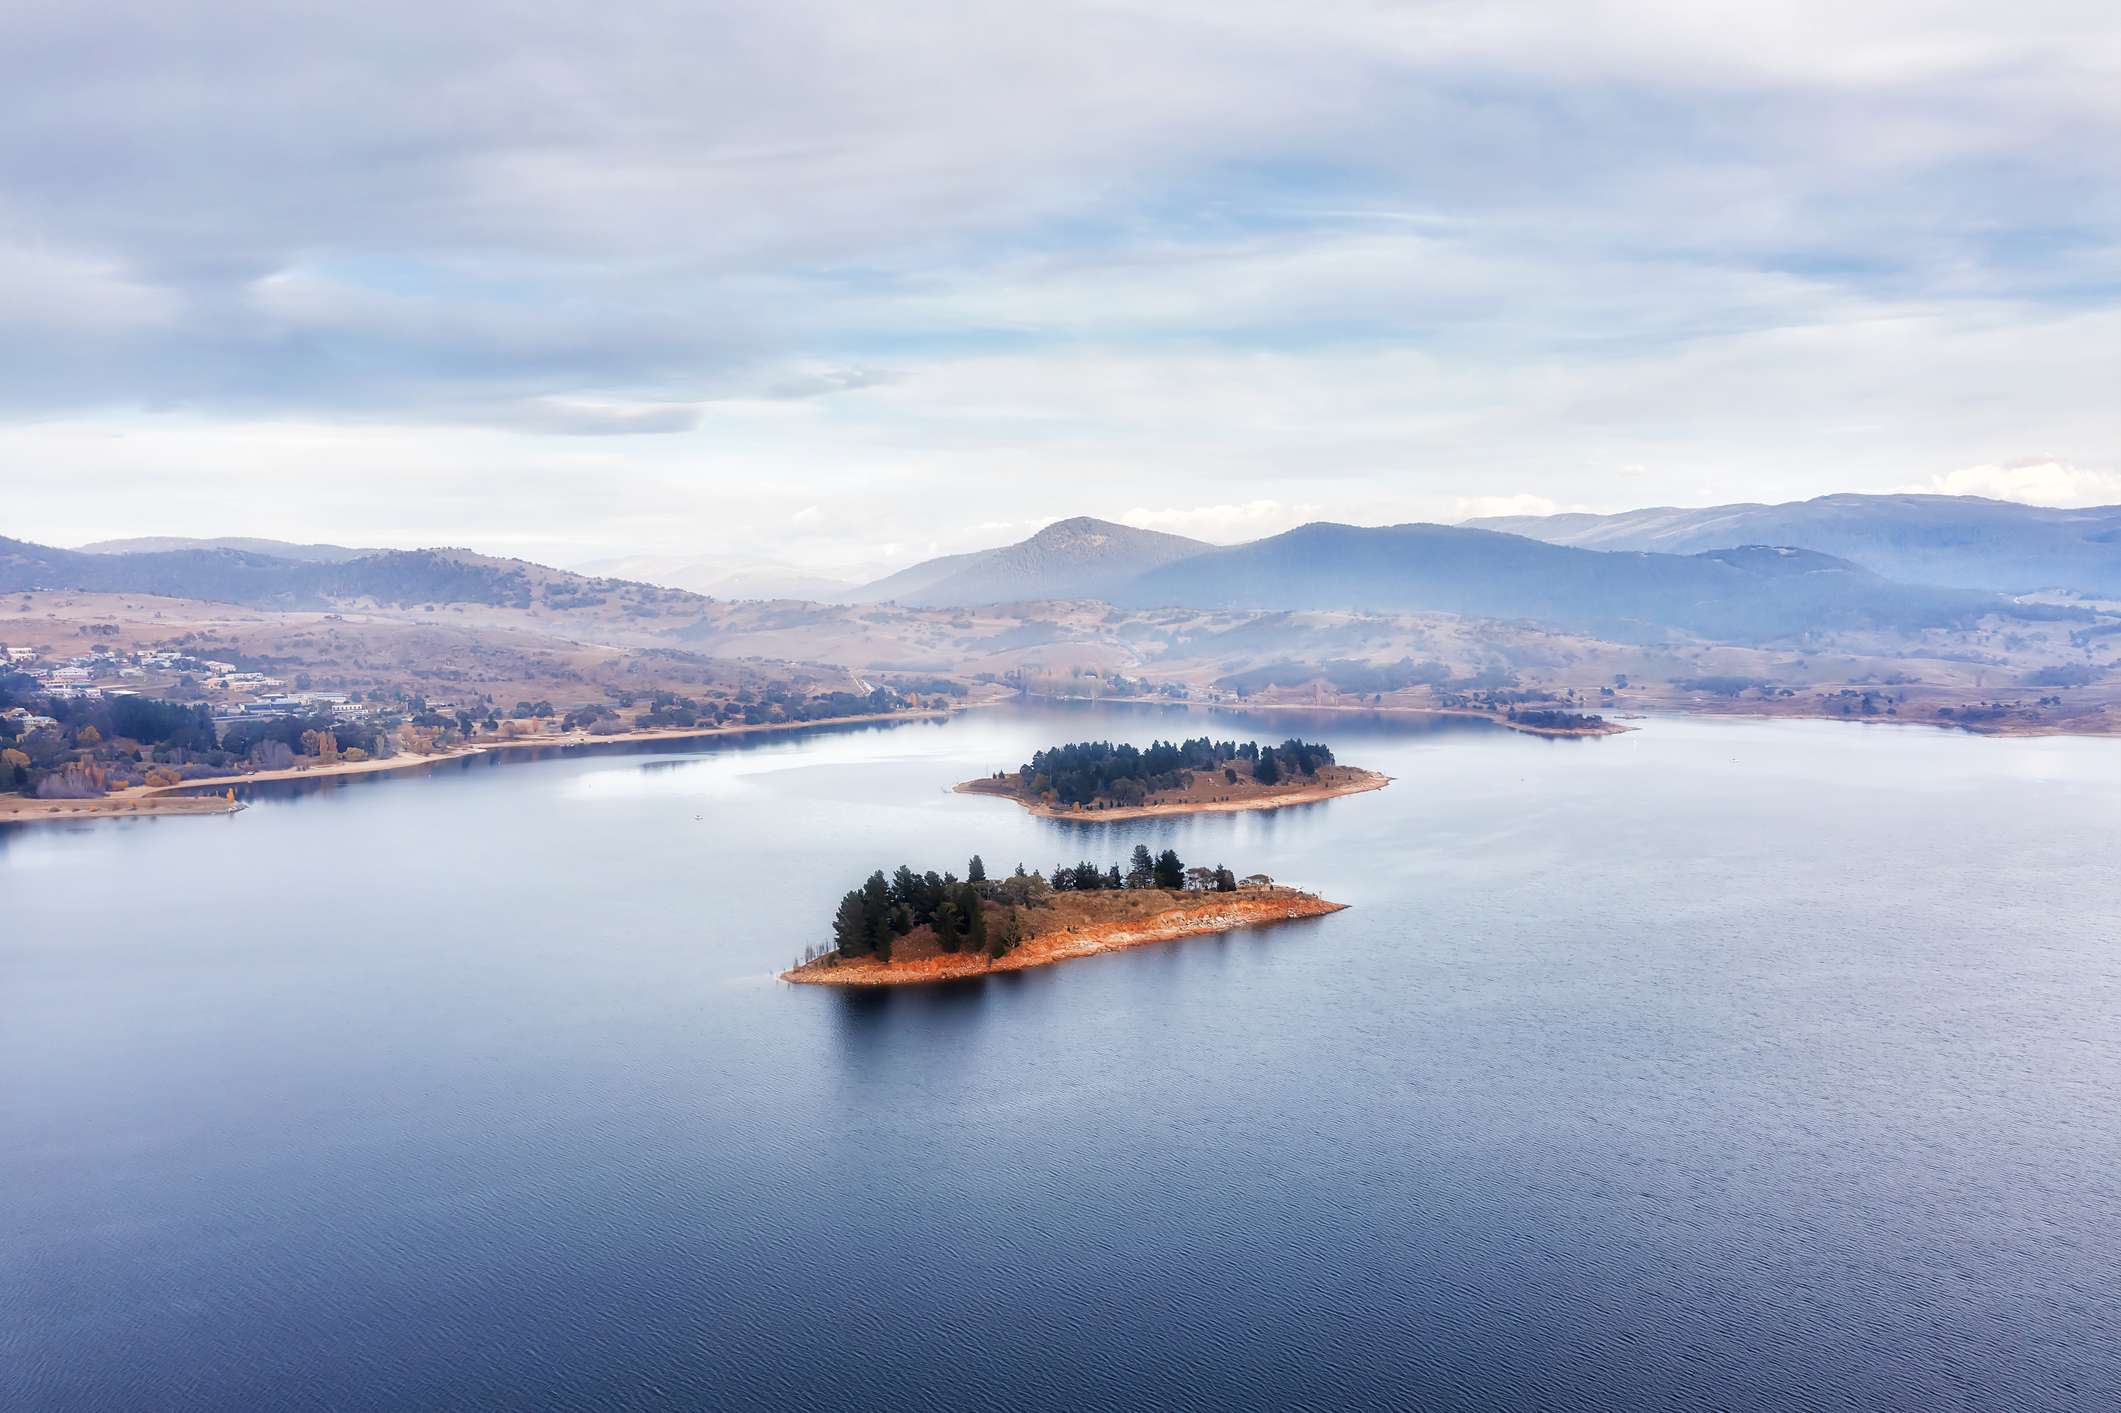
point(278, 549)
point(1745, 594)
point(1959, 541)
point(1069, 559)
point(720, 578)
point(395, 578)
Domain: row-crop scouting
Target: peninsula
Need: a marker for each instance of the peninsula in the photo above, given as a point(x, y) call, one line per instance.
point(914, 929)
point(1100, 780)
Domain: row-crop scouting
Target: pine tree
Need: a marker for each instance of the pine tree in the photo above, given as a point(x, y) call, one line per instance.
point(849, 927)
point(976, 871)
point(975, 920)
point(949, 923)
point(1141, 867)
point(1170, 872)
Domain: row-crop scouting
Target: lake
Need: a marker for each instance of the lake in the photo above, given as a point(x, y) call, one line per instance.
point(1720, 1064)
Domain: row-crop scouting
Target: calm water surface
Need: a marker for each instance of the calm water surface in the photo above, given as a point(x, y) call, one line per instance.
point(1716, 1065)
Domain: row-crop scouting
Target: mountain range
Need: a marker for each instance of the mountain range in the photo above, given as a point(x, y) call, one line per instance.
point(1743, 594)
point(393, 578)
point(1958, 541)
point(1080, 558)
point(1742, 590)
point(276, 549)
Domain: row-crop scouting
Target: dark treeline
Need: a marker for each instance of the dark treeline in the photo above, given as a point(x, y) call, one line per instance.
point(1555, 720)
point(883, 909)
point(1090, 772)
point(978, 913)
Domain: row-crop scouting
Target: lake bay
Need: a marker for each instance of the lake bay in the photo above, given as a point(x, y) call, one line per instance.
point(1733, 1064)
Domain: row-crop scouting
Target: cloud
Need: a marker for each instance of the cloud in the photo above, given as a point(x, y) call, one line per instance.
point(582, 418)
point(1356, 261)
point(2032, 481)
point(1485, 507)
point(1223, 524)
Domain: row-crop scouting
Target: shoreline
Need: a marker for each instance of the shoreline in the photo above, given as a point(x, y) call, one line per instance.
point(1363, 782)
point(151, 801)
point(20, 809)
point(1608, 727)
point(1197, 920)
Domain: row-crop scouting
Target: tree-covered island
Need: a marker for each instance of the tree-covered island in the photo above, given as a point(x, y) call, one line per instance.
point(1098, 779)
point(912, 927)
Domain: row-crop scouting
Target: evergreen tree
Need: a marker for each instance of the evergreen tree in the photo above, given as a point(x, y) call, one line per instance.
point(906, 889)
point(975, 919)
point(1141, 867)
point(876, 914)
point(1112, 878)
point(1267, 771)
point(849, 926)
point(976, 871)
point(1170, 872)
point(949, 925)
point(1225, 881)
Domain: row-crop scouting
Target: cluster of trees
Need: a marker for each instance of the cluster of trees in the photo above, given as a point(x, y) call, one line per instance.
point(976, 913)
point(955, 910)
point(1552, 720)
point(775, 704)
point(1145, 870)
point(96, 744)
point(1341, 674)
point(1099, 772)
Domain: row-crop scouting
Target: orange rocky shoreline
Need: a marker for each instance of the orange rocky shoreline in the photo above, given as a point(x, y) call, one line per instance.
point(1217, 912)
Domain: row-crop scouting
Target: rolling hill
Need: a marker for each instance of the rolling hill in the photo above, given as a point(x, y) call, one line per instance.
point(275, 549)
point(389, 578)
point(1746, 594)
point(1069, 559)
point(1958, 541)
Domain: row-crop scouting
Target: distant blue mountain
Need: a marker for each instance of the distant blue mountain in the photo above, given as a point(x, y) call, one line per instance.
point(1744, 594)
point(1959, 541)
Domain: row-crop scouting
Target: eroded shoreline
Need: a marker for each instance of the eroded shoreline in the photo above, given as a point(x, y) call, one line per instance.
point(1216, 912)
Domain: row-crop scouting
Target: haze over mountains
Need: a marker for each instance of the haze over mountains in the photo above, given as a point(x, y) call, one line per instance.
point(387, 577)
point(278, 549)
point(1733, 573)
point(1733, 592)
point(1082, 558)
point(723, 579)
point(1958, 541)
point(1737, 595)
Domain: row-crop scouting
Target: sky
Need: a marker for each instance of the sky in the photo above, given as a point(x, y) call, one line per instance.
point(841, 285)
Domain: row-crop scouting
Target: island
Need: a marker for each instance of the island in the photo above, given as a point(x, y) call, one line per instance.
point(1100, 780)
point(911, 929)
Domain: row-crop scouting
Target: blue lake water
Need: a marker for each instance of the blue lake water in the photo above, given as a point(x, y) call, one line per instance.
point(1716, 1065)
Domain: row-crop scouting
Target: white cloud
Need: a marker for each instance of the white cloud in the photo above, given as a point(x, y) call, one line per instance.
point(1223, 524)
point(2033, 481)
point(1228, 263)
point(1481, 507)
